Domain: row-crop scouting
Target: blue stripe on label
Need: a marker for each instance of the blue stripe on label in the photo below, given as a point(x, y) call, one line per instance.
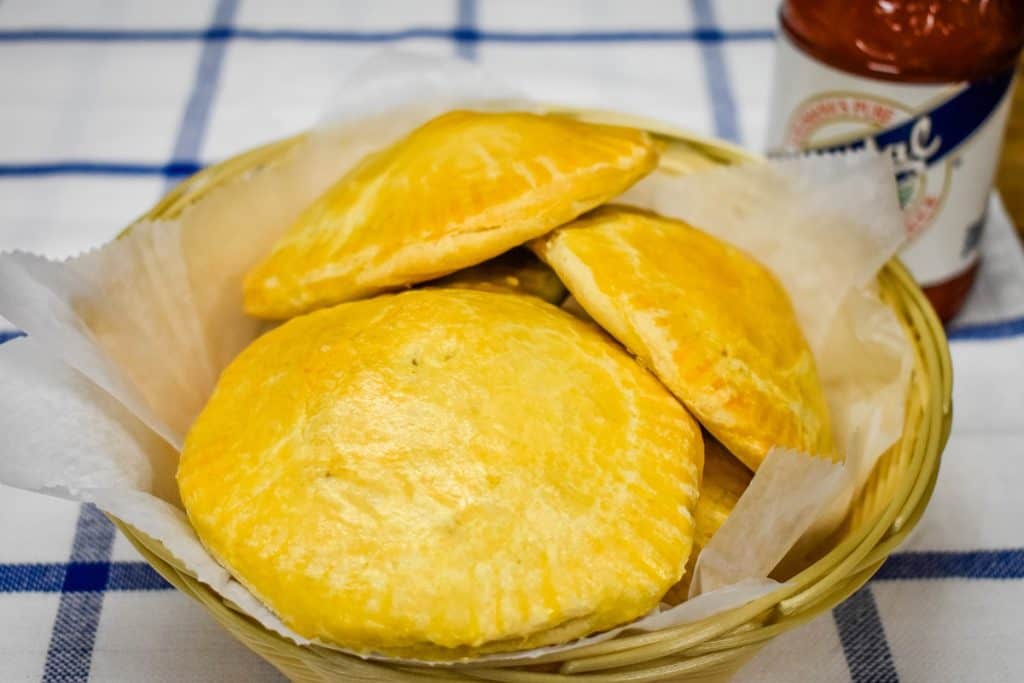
point(179, 169)
point(999, 329)
point(931, 135)
point(300, 35)
point(466, 37)
point(863, 639)
point(981, 564)
point(716, 75)
point(69, 656)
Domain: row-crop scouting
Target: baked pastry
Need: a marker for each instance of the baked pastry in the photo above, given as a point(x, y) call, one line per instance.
point(711, 322)
point(444, 472)
point(461, 189)
point(724, 481)
point(517, 270)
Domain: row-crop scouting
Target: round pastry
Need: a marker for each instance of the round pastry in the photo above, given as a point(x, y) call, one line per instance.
point(442, 473)
point(724, 481)
point(709, 320)
point(457, 191)
point(517, 270)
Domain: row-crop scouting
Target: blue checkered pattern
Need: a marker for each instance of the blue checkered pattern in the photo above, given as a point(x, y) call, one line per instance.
point(107, 104)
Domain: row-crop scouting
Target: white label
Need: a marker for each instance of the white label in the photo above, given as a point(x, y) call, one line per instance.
point(944, 140)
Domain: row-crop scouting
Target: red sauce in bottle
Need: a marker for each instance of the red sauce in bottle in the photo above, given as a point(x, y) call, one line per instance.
point(848, 69)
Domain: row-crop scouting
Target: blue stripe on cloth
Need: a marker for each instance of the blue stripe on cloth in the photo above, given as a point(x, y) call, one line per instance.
point(136, 576)
point(173, 170)
point(465, 30)
point(69, 656)
point(77, 577)
point(907, 566)
point(188, 143)
point(86, 577)
point(704, 35)
point(8, 335)
point(74, 631)
point(999, 329)
point(32, 578)
point(980, 564)
point(139, 576)
point(863, 639)
point(716, 75)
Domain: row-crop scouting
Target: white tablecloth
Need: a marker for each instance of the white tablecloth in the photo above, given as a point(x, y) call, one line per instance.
point(106, 103)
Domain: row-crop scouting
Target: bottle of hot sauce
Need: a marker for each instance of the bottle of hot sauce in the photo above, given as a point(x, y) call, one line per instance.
point(927, 80)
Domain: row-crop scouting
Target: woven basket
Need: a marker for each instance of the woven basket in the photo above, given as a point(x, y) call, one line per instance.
point(713, 649)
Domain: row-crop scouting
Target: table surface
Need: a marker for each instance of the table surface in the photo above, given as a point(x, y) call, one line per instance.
point(108, 103)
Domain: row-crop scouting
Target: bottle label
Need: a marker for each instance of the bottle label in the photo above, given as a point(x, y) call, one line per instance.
point(944, 140)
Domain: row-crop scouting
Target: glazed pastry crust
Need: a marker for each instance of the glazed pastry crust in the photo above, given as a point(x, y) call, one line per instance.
point(724, 481)
point(444, 472)
point(461, 189)
point(712, 323)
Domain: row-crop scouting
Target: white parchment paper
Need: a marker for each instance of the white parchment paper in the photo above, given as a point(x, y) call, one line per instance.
point(126, 342)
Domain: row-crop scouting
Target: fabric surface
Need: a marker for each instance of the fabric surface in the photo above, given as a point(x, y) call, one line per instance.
point(108, 103)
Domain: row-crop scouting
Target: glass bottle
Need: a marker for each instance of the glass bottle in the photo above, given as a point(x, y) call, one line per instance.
point(928, 80)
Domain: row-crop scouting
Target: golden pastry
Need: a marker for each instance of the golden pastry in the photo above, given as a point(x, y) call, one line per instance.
point(517, 270)
point(724, 481)
point(457, 191)
point(444, 472)
point(711, 322)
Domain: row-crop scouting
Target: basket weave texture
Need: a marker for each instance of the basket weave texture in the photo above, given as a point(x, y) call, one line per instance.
point(713, 649)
